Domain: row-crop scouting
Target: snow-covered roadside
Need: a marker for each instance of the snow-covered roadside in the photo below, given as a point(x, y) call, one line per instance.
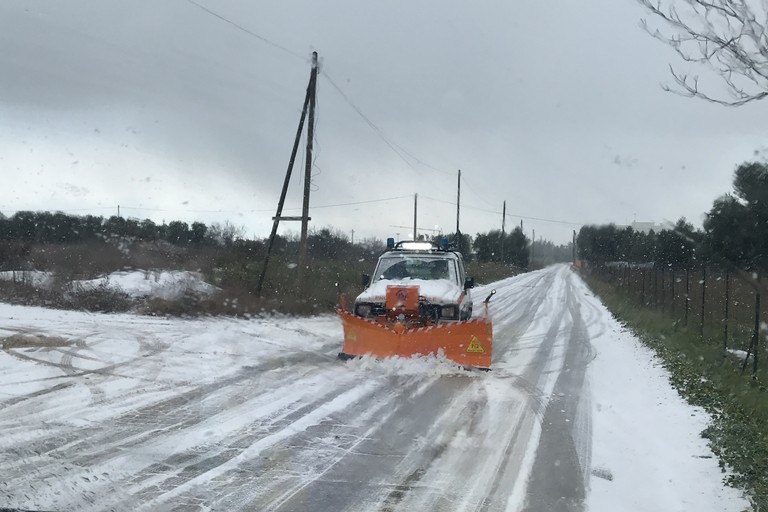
point(164, 284)
point(647, 451)
point(172, 351)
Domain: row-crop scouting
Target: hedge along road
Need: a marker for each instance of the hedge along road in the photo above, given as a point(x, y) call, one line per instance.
point(163, 414)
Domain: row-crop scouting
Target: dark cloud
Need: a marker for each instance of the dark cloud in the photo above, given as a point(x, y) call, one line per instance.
point(536, 102)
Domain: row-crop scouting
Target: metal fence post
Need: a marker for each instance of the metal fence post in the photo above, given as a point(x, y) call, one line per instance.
point(674, 297)
point(703, 297)
point(753, 345)
point(725, 316)
point(757, 329)
point(687, 298)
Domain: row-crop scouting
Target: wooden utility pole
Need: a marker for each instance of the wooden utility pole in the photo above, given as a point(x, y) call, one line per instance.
point(533, 241)
point(415, 214)
point(458, 209)
point(307, 176)
point(503, 225)
point(309, 98)
point(574, 247)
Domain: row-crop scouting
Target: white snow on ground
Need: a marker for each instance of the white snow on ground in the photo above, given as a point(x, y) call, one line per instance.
point(164, 284)
point(195, 351)
point(741, 355)
point(31, 277)
point(416, 365)
point(647, 452)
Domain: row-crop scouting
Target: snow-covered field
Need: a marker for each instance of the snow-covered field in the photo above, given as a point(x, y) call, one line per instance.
point(164, 284)
point(143, 413)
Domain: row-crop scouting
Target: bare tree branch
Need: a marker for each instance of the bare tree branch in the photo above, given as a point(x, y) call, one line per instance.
point(729, 37)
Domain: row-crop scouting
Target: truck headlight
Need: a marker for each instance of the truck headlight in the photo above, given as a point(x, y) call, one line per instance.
point(363, 310)
point(449, 312)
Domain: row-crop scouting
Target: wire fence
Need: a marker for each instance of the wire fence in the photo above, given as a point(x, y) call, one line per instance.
point(718, 303)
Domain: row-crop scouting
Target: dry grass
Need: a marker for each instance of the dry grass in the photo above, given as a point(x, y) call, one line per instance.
point(489, 272)
point(27, 340)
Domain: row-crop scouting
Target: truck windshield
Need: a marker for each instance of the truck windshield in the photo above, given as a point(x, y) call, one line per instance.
point(415, 267)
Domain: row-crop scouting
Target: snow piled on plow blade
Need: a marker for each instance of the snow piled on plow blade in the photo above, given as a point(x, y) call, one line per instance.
point(421, 365)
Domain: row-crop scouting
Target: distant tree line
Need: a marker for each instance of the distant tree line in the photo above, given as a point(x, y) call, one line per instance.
point(512, 248)
point(49, 227)
point(735, 232)
point(27, 227)
point(545, 252)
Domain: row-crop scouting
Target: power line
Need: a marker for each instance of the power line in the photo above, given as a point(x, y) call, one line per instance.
point(472, 189)
point(171, 210)
point(247, 31)
point(526, 217)
point(399, 150)
point(394, 146)
point(370, 123)
point(336, 205)
point(363, 202)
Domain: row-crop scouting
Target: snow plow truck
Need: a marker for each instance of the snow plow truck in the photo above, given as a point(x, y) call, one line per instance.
point(419, 302)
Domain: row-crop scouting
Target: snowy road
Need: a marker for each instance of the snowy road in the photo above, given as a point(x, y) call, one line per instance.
point(221, 414)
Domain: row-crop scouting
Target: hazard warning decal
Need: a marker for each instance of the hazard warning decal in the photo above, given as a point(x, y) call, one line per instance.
point(475, 347)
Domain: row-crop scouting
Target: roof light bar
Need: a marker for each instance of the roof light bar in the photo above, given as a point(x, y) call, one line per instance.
point(417, 246)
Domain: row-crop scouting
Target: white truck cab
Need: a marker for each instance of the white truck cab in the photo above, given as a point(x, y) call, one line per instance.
point(445, 293)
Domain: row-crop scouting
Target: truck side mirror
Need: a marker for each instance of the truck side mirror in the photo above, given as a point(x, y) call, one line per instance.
point(469, 282)
point(365, 280)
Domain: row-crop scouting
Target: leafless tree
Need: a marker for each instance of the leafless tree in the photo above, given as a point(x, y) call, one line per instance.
point(727, 36)
point(225, 233)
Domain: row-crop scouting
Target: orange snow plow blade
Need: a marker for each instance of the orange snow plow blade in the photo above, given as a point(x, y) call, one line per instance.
point(467, 343)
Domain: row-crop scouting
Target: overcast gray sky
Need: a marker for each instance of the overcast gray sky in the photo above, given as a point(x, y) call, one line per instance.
point(173, 113)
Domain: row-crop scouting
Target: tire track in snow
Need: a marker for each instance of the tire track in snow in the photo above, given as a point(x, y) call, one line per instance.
point(458, 479)
point(510, 471)
point(414, 478)
point(290, 470)
point(271, 416)
point(390, 409)
point(321, 409)
point(90, 445)
point(514, 313)
point(560, 472)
